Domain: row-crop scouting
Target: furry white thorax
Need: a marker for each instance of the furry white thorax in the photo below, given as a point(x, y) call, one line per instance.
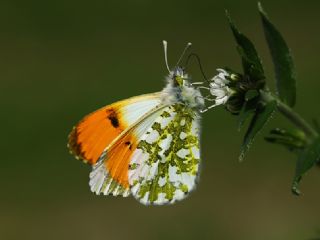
point(185, 93)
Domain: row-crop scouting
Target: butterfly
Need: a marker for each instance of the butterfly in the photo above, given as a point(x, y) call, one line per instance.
point(146, 146)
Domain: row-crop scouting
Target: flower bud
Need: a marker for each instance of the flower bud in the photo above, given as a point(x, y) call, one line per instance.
point(225, 87)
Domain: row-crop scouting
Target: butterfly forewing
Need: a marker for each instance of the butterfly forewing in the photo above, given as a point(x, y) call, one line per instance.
point(165, 163)
point(97, 130)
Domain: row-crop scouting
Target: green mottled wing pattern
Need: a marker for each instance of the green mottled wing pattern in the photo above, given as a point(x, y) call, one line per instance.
point(164, 167)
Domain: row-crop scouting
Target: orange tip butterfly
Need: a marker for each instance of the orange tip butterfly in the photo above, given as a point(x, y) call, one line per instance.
point(146, 146)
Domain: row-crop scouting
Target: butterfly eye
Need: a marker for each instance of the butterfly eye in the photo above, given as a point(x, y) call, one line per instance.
point(178, 81)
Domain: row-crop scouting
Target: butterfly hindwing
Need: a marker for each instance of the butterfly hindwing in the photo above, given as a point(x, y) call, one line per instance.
point(164, 165)
point(102, 182)
point(97, 130)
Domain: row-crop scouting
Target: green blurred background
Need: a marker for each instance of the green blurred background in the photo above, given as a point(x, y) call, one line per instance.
point(62, 59)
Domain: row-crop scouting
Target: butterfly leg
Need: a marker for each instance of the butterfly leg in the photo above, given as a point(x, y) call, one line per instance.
point(207, 108)
point(208, 98)
point(196, 83)
point(201, 87)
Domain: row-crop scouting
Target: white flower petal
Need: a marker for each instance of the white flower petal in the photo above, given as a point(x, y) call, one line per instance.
point(221, 70)
point(219, 87)
point(223, 100)
point(221, 81)
point(219, 93)
point(214, 85)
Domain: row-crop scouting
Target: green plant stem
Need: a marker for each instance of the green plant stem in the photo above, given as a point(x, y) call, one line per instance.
point(290, 114)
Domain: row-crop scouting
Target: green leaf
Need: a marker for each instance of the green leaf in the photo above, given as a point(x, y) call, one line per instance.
point(293, 139)
point(262, 115)
point(307, 159)
point(290, 144)
point(316, 125)
point(251, 62)
point(282, 60)
point(247, 110)
point(294, 133)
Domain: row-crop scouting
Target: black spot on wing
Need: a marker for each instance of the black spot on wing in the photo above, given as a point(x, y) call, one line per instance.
point(128, 143)
point(112, 116)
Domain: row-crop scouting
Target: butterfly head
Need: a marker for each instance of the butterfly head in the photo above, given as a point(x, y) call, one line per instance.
point(179, 89)
point(179, 77)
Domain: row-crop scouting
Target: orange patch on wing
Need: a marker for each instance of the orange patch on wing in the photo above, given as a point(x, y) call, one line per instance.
point(118, 159)
point(95, 132)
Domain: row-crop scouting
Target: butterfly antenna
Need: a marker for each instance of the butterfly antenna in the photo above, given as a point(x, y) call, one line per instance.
point(165, 47)
point(183, 53)
point(199, 63)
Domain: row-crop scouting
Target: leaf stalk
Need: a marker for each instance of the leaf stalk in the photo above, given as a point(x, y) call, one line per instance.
point(290, 114)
